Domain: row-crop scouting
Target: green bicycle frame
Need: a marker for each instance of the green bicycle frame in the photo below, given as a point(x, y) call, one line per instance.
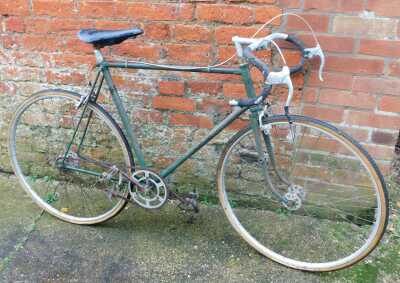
point(243, 71)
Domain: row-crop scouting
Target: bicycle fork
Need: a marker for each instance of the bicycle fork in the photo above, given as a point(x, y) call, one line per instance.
point(263, 137)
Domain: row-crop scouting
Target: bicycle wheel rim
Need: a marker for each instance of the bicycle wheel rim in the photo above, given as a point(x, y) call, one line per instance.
point(65, 213)
point(381, 199)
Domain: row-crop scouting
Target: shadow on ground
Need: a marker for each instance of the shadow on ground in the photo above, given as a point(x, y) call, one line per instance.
point(156, 246)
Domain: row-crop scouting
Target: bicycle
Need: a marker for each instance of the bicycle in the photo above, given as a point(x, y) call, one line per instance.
point(299, 190)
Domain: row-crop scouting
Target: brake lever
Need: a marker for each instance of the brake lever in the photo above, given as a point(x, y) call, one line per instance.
point(282, 77)
point(316, 51)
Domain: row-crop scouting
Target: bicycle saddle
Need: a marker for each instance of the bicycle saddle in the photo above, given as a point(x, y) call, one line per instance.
point(102, 38)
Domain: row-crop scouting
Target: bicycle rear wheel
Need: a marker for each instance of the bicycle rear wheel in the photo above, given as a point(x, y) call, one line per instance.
point(39, 137)
point(334, 206)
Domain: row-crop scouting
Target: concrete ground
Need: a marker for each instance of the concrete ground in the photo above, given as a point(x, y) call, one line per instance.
point(155, 246)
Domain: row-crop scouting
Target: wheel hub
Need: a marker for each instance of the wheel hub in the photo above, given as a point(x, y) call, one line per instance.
point(294, 197)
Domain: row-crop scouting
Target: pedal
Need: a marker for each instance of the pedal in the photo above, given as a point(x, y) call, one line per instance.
point(189, 204)
point(193, 201)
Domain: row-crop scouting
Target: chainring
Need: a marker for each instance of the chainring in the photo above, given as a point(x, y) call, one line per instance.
point(154, 191)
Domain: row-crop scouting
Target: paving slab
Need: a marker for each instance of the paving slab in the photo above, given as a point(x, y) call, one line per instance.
point(147, 246)
point(17, 214)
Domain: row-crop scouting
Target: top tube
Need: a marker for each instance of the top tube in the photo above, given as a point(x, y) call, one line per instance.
point(148, 66)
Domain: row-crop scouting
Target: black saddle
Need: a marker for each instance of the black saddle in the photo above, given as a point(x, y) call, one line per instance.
point(102, 38)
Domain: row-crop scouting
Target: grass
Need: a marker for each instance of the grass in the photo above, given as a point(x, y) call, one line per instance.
point(383, 265)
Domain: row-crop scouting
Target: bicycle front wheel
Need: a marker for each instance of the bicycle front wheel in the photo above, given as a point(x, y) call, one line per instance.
point(62, 160)
point(314, 200)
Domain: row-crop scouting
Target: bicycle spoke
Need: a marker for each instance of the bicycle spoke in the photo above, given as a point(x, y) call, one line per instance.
point(74, 195)
point(331, 208)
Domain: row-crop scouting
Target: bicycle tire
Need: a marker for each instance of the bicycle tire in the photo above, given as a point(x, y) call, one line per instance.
point(40, 131)
point(293, 238)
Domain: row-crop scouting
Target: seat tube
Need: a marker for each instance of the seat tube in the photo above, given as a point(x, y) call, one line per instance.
point(124, 118)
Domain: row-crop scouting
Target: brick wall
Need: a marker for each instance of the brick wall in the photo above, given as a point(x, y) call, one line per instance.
point(39, 49)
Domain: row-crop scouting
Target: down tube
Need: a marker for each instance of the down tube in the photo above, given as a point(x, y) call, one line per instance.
point(214, 132)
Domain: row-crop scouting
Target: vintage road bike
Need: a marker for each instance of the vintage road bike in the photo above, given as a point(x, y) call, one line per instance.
point(299, 190)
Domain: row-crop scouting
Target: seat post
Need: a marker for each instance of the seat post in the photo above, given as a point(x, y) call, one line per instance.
point(99, 56)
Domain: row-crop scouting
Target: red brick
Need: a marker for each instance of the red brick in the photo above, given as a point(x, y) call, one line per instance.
point(31, 59)
point(347, 98)
point(174, 103)
point(382, 48)
point(190, 120)
point(359, 134)
point(238, 124)
point(132, 49)
point(14, 24)
point(292, 57)
point(387, 8)
point(8, 88)
point(372, 120)
point(65, 78)
point(298, 80)
point(213, 105)
point(172, 88)
point(14, 7)
point(157, 31)
point(310, 95)
point(197, 87)
point(96, 9)
point(56, 25)
point(219, 77)
point(256, 75)
point(231, 14)
point(226, 52)
point(250, 1)
point(224, 34)
point(335, 6)
point(264, 14)
point(61, 8)
point(37, 25)
point(376, 85)
point(354, 65)
point(328, 114)
point(233, 90)
point(380, 152)
point(155, 12)
point(22, 74)
point(319, 23)
point(385, 167)
point(8, 41)
point(185, 53)
point(394, 68)
point(384, 138)
point(148, 116)
point(73, 44)
point(331, 80)
point(132, 86)
point(364, 26)
point(108, 24)
point(331, 43)
point(192, 33)
point(41, 43)
point(390, 104)
point(292, 4)
point(73, 60)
